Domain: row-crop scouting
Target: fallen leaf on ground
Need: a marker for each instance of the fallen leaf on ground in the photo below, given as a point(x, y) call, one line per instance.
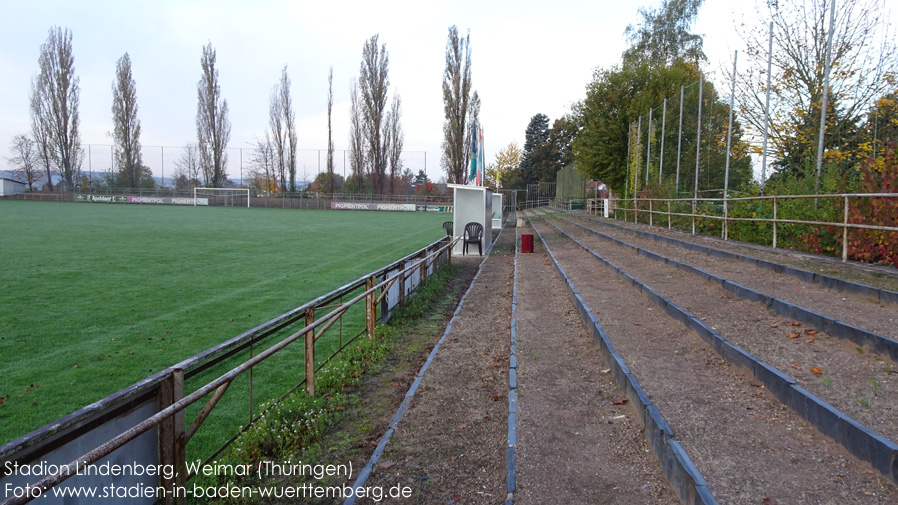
point(795, 366)
point(621, 402)
point(794, 335)
point(394, 384)
point(817, 371)
point(462, 426)
point(811, 340)
point(796, 323)
point(811, 332)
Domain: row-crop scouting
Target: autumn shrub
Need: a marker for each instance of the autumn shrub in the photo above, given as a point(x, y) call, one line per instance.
point(876, 246)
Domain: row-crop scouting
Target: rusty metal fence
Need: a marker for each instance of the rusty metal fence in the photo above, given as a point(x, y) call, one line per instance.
point(720, 210)
point(146, 424)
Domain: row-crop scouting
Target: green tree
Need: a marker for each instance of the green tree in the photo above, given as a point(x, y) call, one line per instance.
point(555, 152)
point(505, 171)
point(535, 136)
point(663, 37)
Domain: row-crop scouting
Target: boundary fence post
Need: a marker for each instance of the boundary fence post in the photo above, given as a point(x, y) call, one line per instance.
point(310, 353)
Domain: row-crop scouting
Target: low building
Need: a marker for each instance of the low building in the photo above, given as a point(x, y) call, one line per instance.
point(10, 187)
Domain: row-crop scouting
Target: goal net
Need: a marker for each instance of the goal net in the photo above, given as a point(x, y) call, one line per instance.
point(221, 197)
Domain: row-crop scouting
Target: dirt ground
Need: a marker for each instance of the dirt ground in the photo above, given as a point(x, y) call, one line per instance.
point(749, 447)
point(575, 442)
point(450, 445)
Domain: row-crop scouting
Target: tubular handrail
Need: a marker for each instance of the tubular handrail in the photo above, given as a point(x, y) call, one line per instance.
point(726, 219)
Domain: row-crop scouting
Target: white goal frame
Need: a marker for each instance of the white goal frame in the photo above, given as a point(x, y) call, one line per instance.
point(225, 190)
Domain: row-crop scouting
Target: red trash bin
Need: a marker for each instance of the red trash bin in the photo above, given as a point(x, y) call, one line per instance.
point(527, 243)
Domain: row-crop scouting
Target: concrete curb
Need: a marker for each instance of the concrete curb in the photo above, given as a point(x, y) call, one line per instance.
point(512, 439)
point(864, 443)
point(685, 479)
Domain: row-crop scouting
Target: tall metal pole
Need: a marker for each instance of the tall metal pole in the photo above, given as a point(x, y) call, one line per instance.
point(638, 150)
point(679, 143)
point(663, 122)
point(698, 136)
point(829, 45)
point(767, 110)
point(627, 183)
point(162, 162)
point(648, 156)
point(726, 177)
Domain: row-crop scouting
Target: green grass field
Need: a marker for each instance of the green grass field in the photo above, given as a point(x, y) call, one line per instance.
point(95, 297)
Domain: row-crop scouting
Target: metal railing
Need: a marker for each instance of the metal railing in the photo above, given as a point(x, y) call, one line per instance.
point(652, 207)
point(388, 287)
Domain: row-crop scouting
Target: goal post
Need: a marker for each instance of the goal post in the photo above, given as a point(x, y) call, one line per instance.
point(223, 197)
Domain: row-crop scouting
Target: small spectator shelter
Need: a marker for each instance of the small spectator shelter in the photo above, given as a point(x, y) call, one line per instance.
point(472, 204)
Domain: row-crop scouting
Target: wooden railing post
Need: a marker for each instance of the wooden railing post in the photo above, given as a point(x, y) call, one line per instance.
point(423, 268)
point(693, 216)
point(370, 309)
point(774, 222)
point(845, 233)
point(310, 353)
point(166, 442)
point(172, 439)
point(401, 283)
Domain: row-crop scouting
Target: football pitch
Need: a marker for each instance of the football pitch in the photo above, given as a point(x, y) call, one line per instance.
point(95, 297)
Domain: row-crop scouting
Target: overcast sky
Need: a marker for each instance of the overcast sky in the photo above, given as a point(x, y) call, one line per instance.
point(527, 58)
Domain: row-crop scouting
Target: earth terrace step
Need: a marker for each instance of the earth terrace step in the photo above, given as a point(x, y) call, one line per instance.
point(826, 281)
point(861, 441)
point(834, 327)
point(687, 482)
point(365, 473)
